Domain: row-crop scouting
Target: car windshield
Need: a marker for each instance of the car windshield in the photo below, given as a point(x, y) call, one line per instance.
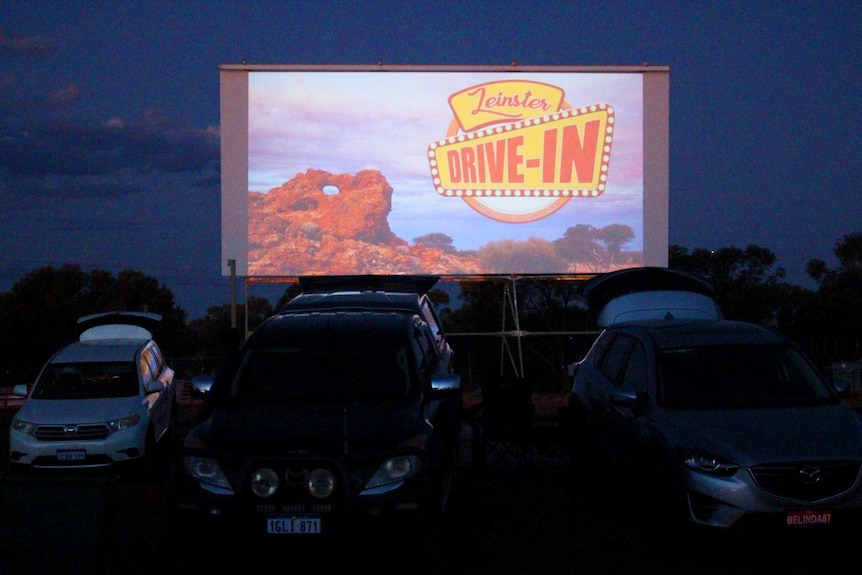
point(738, 377)
point(87, 381)
point(316, 371)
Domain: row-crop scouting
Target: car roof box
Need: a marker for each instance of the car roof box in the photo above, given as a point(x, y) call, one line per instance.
point(649, 293)
point(418, 284)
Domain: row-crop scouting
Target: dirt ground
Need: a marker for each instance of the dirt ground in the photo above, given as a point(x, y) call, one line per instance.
point(517, 515)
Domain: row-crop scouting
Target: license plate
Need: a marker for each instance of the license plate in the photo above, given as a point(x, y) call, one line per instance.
point(71, 455)
point(296, 525)
point(809, 518)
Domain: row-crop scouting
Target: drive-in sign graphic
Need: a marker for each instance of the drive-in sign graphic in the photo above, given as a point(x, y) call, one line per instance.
point(453, 171)
point(517, 139)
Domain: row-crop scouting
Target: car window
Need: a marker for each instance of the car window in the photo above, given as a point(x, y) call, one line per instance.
point(635, 372)
point(87, 381)
point(617, 357)
point(156, 360)
point(636, 379)
point(738, 376)
point(325, 371)
point(431, 318)
point(600, 348)
point(145, 366)
point(423, 350)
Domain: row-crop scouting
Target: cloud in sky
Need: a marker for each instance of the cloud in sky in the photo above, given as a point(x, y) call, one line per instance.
point(26, 46)
point(147, 186)
point(109, 116)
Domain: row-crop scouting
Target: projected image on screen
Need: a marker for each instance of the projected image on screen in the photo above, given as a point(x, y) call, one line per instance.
point(342, 172)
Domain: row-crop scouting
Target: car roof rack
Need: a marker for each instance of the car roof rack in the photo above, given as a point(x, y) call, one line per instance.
point(417, 284)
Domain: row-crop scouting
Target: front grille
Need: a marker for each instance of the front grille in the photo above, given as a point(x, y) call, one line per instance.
point(72, 432)
point(292, 495)
point(807, 481)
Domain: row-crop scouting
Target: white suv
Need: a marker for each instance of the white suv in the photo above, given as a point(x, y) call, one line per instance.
point(107, 399)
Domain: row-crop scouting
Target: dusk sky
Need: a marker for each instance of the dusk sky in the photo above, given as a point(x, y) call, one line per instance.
point(109, 115)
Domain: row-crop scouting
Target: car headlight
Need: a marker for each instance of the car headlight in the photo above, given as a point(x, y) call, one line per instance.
point(205, 470)
point(704, 462)
point(124, 422)
point(23, 426)
point(395, 469)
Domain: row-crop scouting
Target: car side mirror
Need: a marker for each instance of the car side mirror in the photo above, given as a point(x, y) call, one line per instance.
point(21, 390)
point(844, 377)
point(154, 386)
point(629, 399)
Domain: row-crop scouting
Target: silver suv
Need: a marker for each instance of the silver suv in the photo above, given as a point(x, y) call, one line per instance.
point(720, 423)
point(105, 400)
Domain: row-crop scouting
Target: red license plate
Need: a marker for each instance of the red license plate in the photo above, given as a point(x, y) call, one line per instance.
point(809, 518)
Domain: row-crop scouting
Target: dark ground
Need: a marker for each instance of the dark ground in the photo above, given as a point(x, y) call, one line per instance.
point(515, 517)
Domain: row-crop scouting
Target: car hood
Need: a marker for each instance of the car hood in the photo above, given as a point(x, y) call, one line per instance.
point(753, 436)
point(60, 411)
point(303, 427)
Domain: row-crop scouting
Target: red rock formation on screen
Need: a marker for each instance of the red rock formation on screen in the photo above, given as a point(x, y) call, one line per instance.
point(300, 229)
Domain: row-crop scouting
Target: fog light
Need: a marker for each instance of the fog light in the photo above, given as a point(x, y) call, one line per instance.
point(321, 483)
point(264, 482)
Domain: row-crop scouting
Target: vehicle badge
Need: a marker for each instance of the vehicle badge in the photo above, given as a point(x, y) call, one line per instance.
point(810, 475)
point(296, 476)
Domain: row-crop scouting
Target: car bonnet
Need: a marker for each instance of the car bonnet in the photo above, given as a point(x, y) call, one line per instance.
point(62, 411)
point(317, 426)
point(752, 436)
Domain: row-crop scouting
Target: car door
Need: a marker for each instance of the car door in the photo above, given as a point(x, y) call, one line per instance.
point(601, 383)
point(627, 425)
point(619, 425)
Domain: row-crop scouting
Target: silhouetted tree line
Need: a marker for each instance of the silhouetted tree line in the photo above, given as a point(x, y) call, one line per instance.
point(582, 247)
point(826, 321)
point(39, 314)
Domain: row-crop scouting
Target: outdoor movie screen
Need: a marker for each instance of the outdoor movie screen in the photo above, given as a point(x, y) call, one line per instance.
point(451, 171)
